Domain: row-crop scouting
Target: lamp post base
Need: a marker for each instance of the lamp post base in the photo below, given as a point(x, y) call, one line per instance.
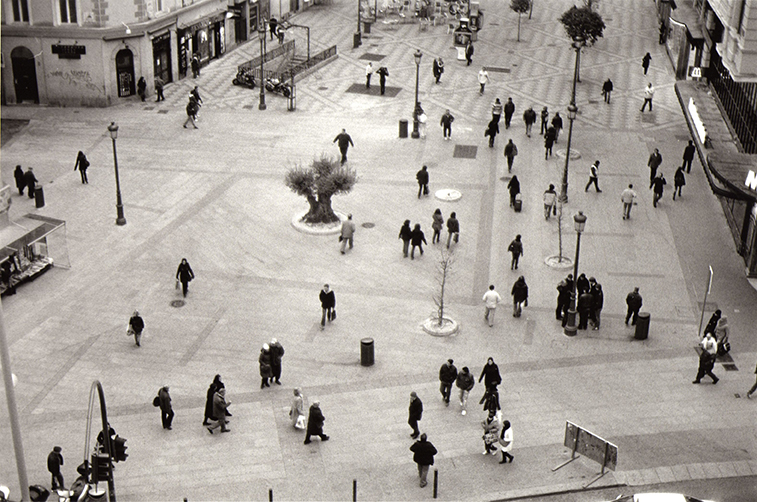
point(121, 221)
point(262, 105)
point(415, 134)
point(570, 327)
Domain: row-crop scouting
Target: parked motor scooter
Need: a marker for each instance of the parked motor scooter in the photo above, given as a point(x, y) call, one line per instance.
point(275, 85)
point(244, 77)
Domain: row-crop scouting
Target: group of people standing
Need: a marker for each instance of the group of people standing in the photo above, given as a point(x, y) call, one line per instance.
point(590, 300)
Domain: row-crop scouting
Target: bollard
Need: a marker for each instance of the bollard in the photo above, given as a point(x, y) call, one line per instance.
point(354, 490)
point(270, 495)
point(366, 352)
point(436, 481)
point(642, 326)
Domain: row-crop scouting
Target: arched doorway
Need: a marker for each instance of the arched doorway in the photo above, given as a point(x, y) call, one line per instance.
point(125, 73)
point(24, 75)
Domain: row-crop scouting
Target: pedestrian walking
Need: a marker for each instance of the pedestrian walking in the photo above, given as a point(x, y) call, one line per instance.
point(492, 130)
point(510, 152)
point(655, 159)
point(490, 399)
point(383, 72)
point(453, 229)
point(506, 442)
point(446, 123)
point(483, 79)
point(557, 124)
point(417, 239)
point(159, 89)
point(192, 109)
point(582, 284)
point(469, 53)
point(490, 373)
point(447, 377)
point(514, 187)
point(707, 356)
point(264, 363)
point(721, 330)
point(564, 295)
point(509, 111)
point(166, 411)
point(82, 164)
point(593, 177)
point(142, 88)
point(277, 353)
point(297, 410)
point(195, 64)
point(405, 235)
point(438, 69)
point(212, 389)
point(648, 95)
point(422, 177)
point(645, 62)
point(315, 423)
point(529, 118)
point(423, 456)
point(30, 181)
point(598, 302)
point(273, 25)
point(491, 433)
point(713, 322)
point(220, 404)
point(345, 141)
point(627, 198)
point(184, 274)
point(54, 463)
point(18, 174)
point(634, 302)
point(414, 414)
point(465, 383)
point(549, 141)
point(607, 90)
point(422, 119)
point(195, 93)
point(437, 225)
point(520, 296)
point(679, 180)
point(368, 75)
point(491, 299)
point(549, 198)
point(497, 110)
point(516, 250)
point(658, 187)
point(347, 233)
point(135, 328)
point(688, 156)
point(6, 275)
point(328, 302)
point(754, 387)
point(544, 121)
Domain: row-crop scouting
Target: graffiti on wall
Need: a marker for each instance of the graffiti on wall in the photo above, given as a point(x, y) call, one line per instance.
point(75, 78)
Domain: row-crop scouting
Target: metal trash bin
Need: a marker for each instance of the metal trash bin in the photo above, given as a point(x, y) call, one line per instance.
point(39, 197)
point(403, 128)
point(356, 40)
point(366, 352)
point(642, 326)
point(366, 27)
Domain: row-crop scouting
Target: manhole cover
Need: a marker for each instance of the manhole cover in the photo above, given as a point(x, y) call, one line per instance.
point(368, 224)
point(178, 303)
point(323, 88)
point(248, 107)
point(163, 111)
point(448, 194)
point(497, 69)
point(465, 151)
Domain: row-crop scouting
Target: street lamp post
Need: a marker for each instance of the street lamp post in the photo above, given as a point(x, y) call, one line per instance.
point(120, 220)
point(579, 221)
point(261, 31)
point(418, 55)
point(572, 110)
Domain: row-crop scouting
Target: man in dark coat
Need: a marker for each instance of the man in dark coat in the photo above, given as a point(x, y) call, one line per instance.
point(383, 73)
point(509, 111)
point(658, 187)
point(557, 124)
point(166, 411)
point(272, 25)
point(136, 325)
point(598, 302)
point(417, 239)
point(585, 302)
point(54, 461)
point(20, 181)
point(315, 423)
point(82, 164)
point(492, 130)
point(345, 141)
point(529, 118)
point(415, 413)
point(490, 374)
point(422, 177)
point(688, 155)
point(453, 228)
point(438, 69)
point(30, 182)
point(655, 159)
point(277, 352)
point(564, 293)
point(633, 300)
point(423, 455)
point(582, 284)
point(510, 152)
point(328, 304)
point(469, 53)
point(214, 386)
point(607, 90)
point(549, 141)
point(264, 361)
point(447, 377)
point(446, 123)
point(184, 274)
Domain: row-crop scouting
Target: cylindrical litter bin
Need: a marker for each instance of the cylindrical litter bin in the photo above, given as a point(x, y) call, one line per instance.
point(39, 197)
point(356, 40)
point(642, 326)
point(366, 27)
point(366, 352)
point(403, 128)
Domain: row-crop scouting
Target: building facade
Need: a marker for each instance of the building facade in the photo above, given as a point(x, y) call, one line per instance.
point(93, 52)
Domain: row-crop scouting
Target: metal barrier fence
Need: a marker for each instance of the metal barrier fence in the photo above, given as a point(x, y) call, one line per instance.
point(269, 56)
point(293, 70)
point(739, 100)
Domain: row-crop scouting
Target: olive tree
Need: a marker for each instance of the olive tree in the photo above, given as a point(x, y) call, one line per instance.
point(318, 183)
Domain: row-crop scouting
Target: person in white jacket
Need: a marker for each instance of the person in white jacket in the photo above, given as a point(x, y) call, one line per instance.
point(491, 299)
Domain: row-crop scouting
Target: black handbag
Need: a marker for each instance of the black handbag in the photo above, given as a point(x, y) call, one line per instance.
point(333, 314)
point(156, 401)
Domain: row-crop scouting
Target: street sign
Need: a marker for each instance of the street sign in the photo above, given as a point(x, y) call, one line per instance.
point(581, 441)
point(696, 72)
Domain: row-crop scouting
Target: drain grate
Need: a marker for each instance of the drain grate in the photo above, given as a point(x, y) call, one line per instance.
point(465, 151)
point(372, 57)
point(163, 111)
point(178, 303)
point(368, 224)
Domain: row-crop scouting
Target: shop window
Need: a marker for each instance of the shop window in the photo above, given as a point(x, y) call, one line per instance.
point(21, 11)
point(67, 11)
point(158, 5)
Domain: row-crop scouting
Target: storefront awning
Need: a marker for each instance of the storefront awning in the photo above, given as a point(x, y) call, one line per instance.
point(685, 13)
point(25, 231)
point(737, 171)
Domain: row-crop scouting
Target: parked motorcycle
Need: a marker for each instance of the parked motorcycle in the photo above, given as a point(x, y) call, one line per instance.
point(275, 85)
point(244, 77)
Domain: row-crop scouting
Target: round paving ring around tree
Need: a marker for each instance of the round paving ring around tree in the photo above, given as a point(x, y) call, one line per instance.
point(318, 229)
point(448, 194)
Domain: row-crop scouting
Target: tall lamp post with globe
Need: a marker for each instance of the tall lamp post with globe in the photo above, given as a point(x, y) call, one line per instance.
point(261, 33)
point(579, 220)
point(416, 111)
point(120, 220)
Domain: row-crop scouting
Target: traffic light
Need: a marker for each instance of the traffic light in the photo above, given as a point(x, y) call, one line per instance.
point(101, 467)
point(119, 447)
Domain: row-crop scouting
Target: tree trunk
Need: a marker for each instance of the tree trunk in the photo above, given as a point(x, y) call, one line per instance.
point(320, 210)
point(312, 214)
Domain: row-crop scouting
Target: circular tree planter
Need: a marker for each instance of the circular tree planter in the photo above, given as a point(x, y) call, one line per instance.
point(554, 262)
point(318, 228)
point(448, 328)
point(574, 154)
point(448, 194)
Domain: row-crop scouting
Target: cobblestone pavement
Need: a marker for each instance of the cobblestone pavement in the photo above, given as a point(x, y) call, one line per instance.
point(216, 196)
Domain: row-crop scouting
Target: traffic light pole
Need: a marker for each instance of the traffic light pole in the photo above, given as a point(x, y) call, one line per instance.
point(106, 437)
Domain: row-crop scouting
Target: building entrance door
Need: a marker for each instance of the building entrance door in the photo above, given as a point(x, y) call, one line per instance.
point(24, 75)
point(125, 73)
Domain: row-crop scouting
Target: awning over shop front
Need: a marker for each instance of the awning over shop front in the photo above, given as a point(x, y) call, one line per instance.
point(736, 171)
point(25, 231)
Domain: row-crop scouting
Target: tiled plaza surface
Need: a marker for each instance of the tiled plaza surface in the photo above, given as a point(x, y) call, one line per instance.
point(216, 196)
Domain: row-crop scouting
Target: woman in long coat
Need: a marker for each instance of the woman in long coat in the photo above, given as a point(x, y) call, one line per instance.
point(20, 181)
point(491, 433)
point(437, 225)
point(266, 371)
point(212, 389)
point(298, 407)
point(184, 274)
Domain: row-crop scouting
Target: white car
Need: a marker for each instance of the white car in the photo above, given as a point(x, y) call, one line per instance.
point(659, 497)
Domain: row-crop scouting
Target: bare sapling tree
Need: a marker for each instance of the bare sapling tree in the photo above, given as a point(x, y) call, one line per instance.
point(443, 272)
